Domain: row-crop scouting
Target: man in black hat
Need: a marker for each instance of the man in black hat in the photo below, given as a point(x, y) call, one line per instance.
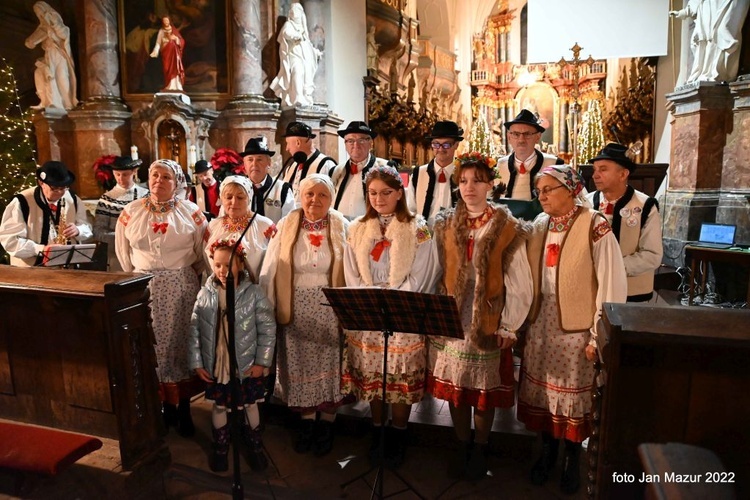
point(32, 218)
point(113, 201)
point(279, 196)
point(349, 177)
point(634, 217)
point(206, 193)
point(298, 139)
point(517, 170)
point(432, 187)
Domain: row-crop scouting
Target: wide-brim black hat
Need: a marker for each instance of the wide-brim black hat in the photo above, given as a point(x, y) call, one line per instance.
point(357, 128)
point(125, 163)
point(56, 174)
point(616, 153)
point(298, 129)
point(446, 130)
point(525, 117)
point(256, 147)
point(201, 166)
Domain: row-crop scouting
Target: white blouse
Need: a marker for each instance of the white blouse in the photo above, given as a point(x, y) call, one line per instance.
point(255, 241)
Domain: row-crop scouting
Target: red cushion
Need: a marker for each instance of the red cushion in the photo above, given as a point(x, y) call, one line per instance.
point(40, 449)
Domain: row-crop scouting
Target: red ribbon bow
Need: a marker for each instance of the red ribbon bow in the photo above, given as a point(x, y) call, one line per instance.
point(315, 239)
point(160, 227)
point(553, 255)
point(378, 249)
point(53, 207)
point(441, 177)
point(522, 168)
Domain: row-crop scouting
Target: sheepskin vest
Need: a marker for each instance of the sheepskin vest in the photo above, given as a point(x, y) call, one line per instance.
point(492, 254)
point(576, 283)
point(336, 237)
point(404, 238)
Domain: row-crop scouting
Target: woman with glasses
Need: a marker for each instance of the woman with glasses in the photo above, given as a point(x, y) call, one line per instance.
point(388, 247)
point(483, 253)
point(577, 265)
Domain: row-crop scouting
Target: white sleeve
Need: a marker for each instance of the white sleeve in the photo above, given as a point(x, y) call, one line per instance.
point(267, 278)
point(425, 270)
point(650, 249)
point(610, 274)
point(351, 271)
point(122, 245)
point(13, 232)
point(519, 290)
point(85, 233)
point(288, 204)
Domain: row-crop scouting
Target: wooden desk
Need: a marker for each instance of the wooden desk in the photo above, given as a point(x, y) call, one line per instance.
point(674, 374)
point(701, 256)
point(77, 353)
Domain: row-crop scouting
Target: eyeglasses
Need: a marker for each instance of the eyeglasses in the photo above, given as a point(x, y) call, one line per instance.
point(57, 188)
point(441, 145)
point(360, 142)
point(526, 135)
point(546, 191)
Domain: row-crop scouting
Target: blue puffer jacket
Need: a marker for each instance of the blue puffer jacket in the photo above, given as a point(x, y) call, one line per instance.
point(255, 327)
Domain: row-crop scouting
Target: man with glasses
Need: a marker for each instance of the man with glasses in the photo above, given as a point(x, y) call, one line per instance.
point(432, 188)
point(518, 169)
point(32, 218)
point(349, 177)
point(298, 139)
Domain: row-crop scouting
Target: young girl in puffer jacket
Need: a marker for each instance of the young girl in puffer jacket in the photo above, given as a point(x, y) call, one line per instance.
point(255, 339)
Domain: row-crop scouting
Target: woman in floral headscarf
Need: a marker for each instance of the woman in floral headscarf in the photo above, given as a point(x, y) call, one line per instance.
point(577, 265)
point(162, 234)
point(483, 253)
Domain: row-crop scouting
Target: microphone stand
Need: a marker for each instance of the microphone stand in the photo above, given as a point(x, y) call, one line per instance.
point(235, 378)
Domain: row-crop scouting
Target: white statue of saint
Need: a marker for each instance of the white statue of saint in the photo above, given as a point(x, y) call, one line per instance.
point(372, 51)
point(716, 39)
point(54, 76)
point(299, 61)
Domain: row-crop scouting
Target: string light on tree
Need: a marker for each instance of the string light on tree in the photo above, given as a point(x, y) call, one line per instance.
point(17, 155)
point(591, 137)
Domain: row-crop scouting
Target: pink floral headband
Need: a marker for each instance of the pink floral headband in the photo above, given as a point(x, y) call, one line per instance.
point(229, 244)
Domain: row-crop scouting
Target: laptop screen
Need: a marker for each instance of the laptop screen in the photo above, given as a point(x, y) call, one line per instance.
point(717, 233)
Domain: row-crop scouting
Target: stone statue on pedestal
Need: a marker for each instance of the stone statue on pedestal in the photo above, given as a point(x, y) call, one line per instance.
point(716, 39)
point(54, 77)
point(372, 52)
point(299, 61)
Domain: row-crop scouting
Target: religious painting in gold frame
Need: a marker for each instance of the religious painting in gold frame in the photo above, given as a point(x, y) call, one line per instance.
point(204, 26)
point(541, 99)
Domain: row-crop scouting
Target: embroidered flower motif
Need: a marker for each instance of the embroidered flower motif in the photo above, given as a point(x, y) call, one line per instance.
point(477, 157)
point(270, 232)
point(124, 218)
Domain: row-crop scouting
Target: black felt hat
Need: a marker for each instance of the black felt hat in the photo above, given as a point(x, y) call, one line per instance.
point(201, 166)
point(257, 147)
point(357, 128)
point(125, 163)
point(56, 174)
point(298, 129)
point(525, 117)
point(447, 130)
point(616, 153)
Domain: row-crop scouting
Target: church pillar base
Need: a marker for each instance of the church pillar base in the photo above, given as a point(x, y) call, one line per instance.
point(323, 123)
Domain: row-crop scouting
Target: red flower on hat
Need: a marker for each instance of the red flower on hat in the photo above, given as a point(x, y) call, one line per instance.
point(103, 171)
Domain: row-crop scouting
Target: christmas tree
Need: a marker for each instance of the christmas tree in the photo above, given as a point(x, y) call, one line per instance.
point(591, 137)
point(480, 139)
point(17, 164)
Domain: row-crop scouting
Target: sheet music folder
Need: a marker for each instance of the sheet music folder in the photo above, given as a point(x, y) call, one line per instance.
point(63, 255)
point(405, 312)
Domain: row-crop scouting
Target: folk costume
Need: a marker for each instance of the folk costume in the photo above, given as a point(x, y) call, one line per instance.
point(577, 266)
point(520, 173)
point(303, 257)
point(349, 179)
point(279, 199)
point(388, 253)
point(207, 198)
point(485, 269)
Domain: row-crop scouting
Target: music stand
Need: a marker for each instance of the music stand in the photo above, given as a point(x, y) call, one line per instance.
point(65, 255)
point(389, 311)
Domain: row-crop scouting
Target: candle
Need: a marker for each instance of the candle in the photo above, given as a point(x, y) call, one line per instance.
point(134, 152)
point(192, 156)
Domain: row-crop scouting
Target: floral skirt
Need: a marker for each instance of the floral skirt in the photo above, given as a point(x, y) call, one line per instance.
point(363, 367)
point(252, 389)
point(556, 378)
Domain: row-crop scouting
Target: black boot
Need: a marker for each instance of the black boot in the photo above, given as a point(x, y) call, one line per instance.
point(185, 427)
point(476, 467)
point(304, 440)
point(323, 441)
point(373, 453)
point(570, 480)
point(169, 414)
point(543, 466)
point(256, 458)
point(219, 462)
point(396, 441)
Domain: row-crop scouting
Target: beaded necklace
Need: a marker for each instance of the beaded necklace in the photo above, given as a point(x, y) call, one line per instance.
point(158, 207)
point(563, 222)
point(474, 223)
point(317, 225)
point(235, 225)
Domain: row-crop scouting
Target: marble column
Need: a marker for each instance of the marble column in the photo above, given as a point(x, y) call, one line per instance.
point(734, 199)
point(102, 86)
point(702, 120)
point(315, 11)
point(247, 76)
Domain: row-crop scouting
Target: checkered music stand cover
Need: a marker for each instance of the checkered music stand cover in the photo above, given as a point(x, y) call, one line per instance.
point(378, 309)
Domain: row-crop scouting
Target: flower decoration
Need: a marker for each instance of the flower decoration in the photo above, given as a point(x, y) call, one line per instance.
point(477, 157)
point(103, 171)
point(226, 243)
point(226, 161)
